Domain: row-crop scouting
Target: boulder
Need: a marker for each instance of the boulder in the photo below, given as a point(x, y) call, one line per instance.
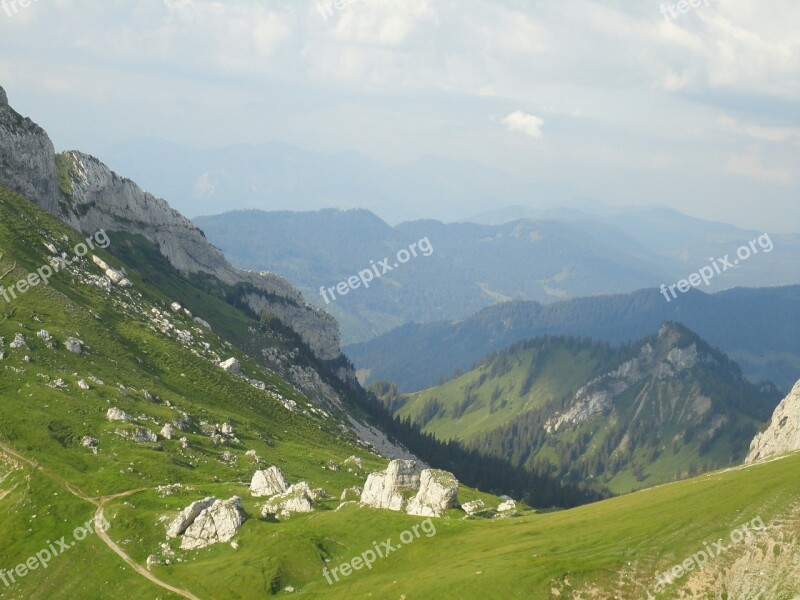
point(382, 490)
point(115, 414)
point(215, 524)
point(144, 436)
point(438, 493)
point(74, 345)
point(202, 323)
point(44, 335)
point(100, 263)
point(231, 366)
point(474, 507)
point(297, 499)
point(187, 516)
point(19, 342)
point(175, 307)
point(268, 482)
point(83, 385)
point(167, 431)
point(782, 435)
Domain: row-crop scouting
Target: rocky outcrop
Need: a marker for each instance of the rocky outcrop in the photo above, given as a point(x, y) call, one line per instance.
point(215, 524)
point(86, 194)
point(297, 499)
point(384, 489)
point(783, 433)
point(268, 482)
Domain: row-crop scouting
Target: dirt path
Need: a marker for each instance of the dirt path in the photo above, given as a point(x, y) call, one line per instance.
point(100, 521)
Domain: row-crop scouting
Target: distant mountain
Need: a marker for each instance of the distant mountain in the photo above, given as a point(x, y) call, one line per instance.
point(279, 176)
point(470, 266)
point(759, 328)
point(679, 239)
point(637, 415)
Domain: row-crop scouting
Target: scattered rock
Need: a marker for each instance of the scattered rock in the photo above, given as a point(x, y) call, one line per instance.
point(252, 455)
point(297, 499)
point(115, 414)
point(144, 436)
point(167, 431)
point(355, 461)
point(19, 342)
point(474, 507)
point(44, 335)
point(90, 443)
point(438, 492)
point(187, 516)
point(382, 490)
point(231, 366)
point(202, 323)
point(83, 385)
point(215, 524)
point(268, 482)
point(351, 493)
point(175, 307)
point(74, 345)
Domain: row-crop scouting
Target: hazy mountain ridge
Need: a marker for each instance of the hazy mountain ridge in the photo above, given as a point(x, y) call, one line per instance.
point(472, 266)
point(759, 328)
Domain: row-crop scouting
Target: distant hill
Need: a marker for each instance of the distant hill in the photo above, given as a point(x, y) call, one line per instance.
point(637, 415)
point(471, 266)
point(759, 328)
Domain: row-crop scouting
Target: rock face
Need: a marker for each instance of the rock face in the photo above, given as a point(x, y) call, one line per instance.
point(438, 493)
point(297, 499)
point(94, 197)
point(383, 490)
point(215, 524)
point(268, 482)
point(783, 433)
point(181, 523)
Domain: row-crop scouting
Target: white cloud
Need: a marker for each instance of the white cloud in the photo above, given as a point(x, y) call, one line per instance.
point(521, 122)
point(749, 165)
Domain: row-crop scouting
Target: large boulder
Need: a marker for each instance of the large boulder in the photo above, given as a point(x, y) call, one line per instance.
point(297, 499)
point(116, 414)
point(783, 433)
point(383, 489)
point(181, 523)
point(268, 482)
point(438, 493)
point(231, 366)
point(216, 524)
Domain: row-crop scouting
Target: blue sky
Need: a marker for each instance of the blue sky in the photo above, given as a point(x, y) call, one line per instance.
point(611, 100)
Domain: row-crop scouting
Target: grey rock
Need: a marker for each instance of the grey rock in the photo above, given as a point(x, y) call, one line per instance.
point(383, 490)
point(187, 516)
point(297, 499)
point(215, 524)
point(438, 492)
point(268, 482)
point(782, 435)
point(74, 345)
point(115, 414)
point(231, 366)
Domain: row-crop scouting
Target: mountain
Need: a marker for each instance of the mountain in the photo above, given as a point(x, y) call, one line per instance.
point(758, 328)
point(275, 175)
point(629, 417)
point(685, 242)
point(148, 413)
point(467, 267)
point(782, 436)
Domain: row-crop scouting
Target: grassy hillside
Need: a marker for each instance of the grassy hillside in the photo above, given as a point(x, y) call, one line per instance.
point(626, 417)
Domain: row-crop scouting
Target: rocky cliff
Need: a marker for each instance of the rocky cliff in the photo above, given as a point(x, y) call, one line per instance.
point(783, 433)
point(85, 193)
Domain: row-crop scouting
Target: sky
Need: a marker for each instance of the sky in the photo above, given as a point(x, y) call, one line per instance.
point(691, 105)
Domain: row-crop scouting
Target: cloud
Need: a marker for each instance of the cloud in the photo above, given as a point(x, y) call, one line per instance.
point(521, 122)
point(749, 165)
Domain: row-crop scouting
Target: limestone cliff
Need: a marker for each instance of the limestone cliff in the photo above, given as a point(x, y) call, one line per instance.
point(85, 193)
point(783, 433)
